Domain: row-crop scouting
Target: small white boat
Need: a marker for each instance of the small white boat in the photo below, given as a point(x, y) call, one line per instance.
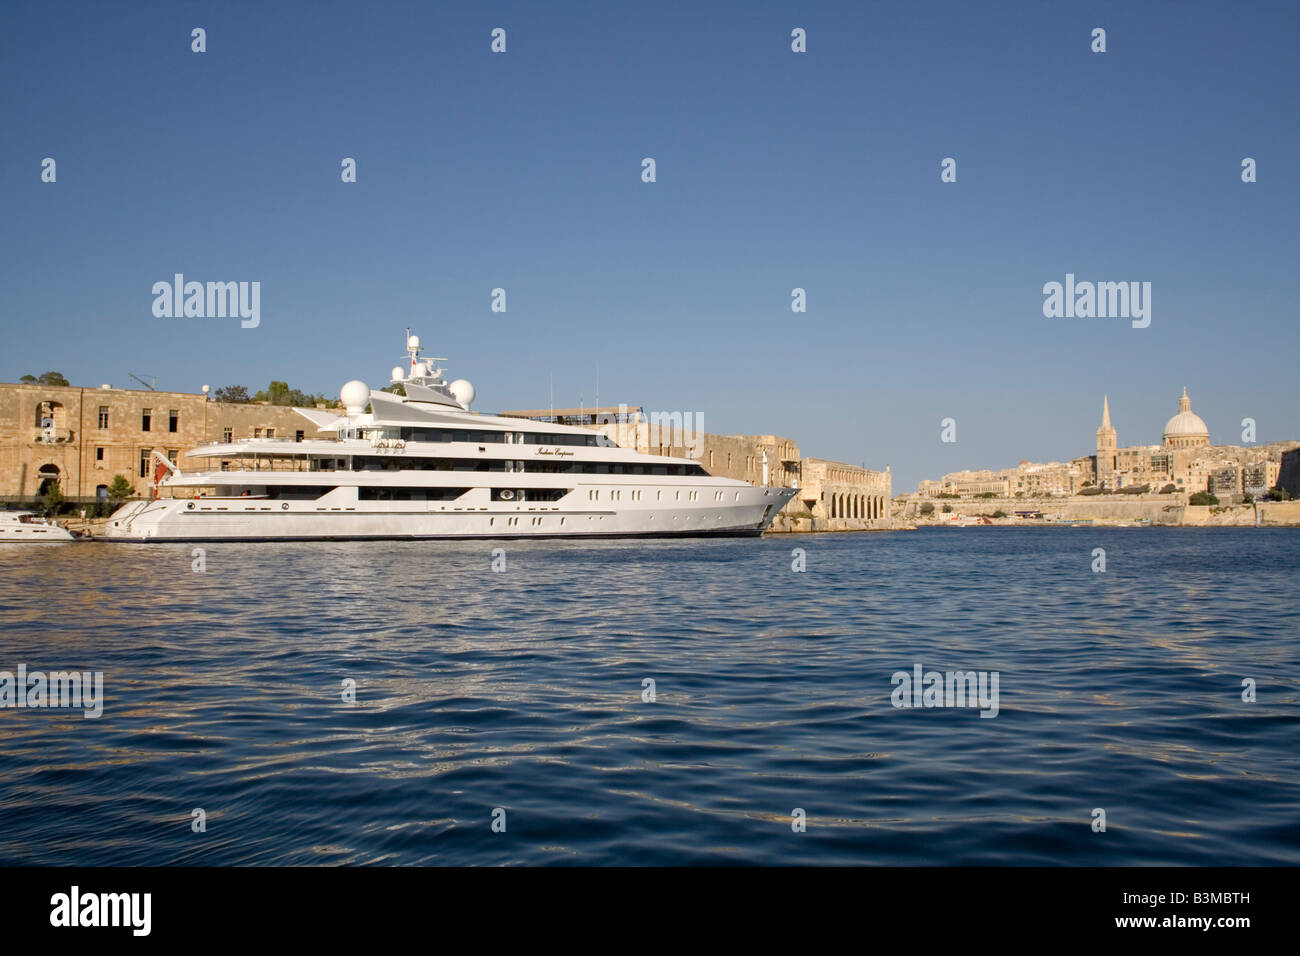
point(29, 528)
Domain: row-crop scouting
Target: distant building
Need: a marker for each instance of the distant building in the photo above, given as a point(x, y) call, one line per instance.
point(80, 438)
point(1184, 459)
point(843, 496)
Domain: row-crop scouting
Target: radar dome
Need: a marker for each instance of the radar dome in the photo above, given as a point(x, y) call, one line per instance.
point(354, 395)
point(462, 391)
point(398, 373)
point(412, 341)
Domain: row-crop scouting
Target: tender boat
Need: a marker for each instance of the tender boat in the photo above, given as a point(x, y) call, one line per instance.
point(420, 464)
point(27, 527)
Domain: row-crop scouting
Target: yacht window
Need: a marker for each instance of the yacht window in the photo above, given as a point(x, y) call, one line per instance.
point(384, 493)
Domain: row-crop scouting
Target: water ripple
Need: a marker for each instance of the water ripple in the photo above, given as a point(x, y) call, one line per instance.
point(523, 690)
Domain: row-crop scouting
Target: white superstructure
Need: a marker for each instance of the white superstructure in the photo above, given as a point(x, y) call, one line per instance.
point(421, 465)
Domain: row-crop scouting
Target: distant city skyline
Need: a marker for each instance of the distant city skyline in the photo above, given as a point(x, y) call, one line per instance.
point(775, 171)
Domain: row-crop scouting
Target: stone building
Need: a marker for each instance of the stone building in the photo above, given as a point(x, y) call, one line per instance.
point(1184, 459)
point(968, 484)
point(1037, 479)
point(82, 437)
point(844, 497)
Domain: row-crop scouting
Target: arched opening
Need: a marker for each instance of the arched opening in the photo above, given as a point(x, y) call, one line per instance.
point(48, 476)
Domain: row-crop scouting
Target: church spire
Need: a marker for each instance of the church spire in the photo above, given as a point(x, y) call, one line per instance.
point(1184, 403)
point(1105, 412)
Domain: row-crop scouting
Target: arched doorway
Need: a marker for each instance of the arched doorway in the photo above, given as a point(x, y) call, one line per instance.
point(48, 476)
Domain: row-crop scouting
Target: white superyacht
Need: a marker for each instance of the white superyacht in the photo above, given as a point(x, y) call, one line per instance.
point(421, 465)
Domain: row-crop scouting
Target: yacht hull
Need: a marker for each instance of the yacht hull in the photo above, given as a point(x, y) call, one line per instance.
point(206, 520)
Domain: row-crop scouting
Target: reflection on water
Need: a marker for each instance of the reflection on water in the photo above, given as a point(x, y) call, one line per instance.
point(523, 690)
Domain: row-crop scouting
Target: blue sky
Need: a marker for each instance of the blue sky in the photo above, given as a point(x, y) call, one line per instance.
point(775, 170)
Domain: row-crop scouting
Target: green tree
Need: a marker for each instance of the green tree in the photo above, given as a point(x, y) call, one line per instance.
point(279, 393)
point(927, 508)
point(45, 378)
point(235, 394)
point(53, 499)
point(119, 489)
point(947, 509)
point(1203, 498)
point(1168, 489)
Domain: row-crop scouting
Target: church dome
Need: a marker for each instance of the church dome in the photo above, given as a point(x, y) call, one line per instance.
point(1186, 428)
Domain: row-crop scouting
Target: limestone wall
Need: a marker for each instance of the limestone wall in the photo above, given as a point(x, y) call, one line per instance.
point(86, 449)
point(1271, 514)
point(1170, 510)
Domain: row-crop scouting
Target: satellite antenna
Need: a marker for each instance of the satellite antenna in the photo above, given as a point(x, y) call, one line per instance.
point(152, 384)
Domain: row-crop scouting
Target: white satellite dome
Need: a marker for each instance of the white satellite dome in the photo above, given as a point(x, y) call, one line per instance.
point(354, 396)
point(413, 342)
point(398, 373)
point(463, 391)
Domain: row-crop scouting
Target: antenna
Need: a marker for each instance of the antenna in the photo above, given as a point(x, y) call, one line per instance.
point(152, 384)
